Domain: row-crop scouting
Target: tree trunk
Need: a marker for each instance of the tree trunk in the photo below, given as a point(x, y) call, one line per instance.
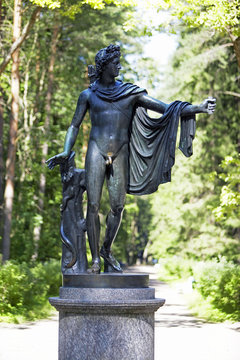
point(1, 164)
point(2, 15)
point(17, 41)
point(27, 115)
point(42, 183)
point(236, 45)
point(10, 164)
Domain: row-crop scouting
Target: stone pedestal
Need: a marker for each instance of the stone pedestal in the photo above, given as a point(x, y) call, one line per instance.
point(106, 317)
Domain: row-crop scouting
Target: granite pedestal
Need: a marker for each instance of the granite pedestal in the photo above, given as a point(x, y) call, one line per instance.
point(106, 317)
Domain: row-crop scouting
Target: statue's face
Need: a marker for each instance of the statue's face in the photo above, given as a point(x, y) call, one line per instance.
point(113, 67)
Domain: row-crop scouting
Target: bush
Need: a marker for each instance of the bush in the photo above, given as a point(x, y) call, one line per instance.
point(219, 284)
point(13, 284)
point(176, 268)
point(52, 276)
point(24, 289)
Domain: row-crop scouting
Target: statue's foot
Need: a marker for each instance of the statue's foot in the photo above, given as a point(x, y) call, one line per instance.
point(109, 259)
point(96, 267)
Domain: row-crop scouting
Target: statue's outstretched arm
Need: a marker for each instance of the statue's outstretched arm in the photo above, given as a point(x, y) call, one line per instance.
point(72, 132)
point(207, 106)
point(150, 103)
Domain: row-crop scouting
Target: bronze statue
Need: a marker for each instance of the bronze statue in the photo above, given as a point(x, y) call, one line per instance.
point(132, 151)
point(73, 224)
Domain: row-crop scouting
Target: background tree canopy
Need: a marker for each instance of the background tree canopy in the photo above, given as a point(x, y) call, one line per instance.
point(51, 71)
point(46, 47)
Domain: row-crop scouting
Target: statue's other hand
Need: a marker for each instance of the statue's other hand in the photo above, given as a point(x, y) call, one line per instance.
point(208, 105)
point(56, 160)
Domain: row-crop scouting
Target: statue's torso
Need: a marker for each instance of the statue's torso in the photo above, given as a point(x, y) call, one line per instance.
point(110, 122)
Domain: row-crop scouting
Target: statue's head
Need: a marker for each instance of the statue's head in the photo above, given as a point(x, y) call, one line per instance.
point(105, 56)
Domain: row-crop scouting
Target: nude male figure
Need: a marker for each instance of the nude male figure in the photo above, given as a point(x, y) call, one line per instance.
point(108, 150)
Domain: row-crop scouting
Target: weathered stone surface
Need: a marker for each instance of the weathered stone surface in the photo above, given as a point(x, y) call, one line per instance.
point(107, 307)
point(128, 337)
point(105, 294)
point(111, 323)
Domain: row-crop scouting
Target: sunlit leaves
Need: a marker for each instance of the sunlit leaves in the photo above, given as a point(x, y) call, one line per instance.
point(207, 187)
point(95, 4)
point(229, 206)
point(221, 15)
point(51, 4)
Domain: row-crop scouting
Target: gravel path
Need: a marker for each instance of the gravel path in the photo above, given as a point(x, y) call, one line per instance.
point(178, 335)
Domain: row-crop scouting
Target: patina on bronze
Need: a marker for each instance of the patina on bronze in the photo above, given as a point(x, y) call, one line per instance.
point(133, 152)
point(73, 224)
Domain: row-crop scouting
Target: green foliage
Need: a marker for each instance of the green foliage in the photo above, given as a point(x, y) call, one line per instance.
point(219, 284)
point(78, 42)
point(51, 4)
point(183, 224)
point(52, 276)
point(25, 289)
point(75, 6)
point(204, 188)
point(216, 286)
point(220, 15)
point(196, 217)
point(175, 268)
point(228, 210)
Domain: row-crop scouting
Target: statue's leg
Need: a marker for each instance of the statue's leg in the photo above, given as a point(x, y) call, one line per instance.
point(95, 173)
point(117, 185)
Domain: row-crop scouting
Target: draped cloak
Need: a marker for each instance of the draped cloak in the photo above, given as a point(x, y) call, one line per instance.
point(152, 142)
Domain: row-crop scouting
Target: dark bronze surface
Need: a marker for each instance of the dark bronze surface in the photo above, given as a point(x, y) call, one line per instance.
point(73, 224)
point(133, 152)
point(106, 280)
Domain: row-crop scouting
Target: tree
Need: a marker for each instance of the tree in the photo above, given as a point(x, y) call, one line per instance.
point(1, 162)
point(17, 41)
point(13, 51)
point(50, 80)
point(228, 210)
point(77, 43)
point(221, 16)
point(204, 187)
point(11, 156)
point(67, 8)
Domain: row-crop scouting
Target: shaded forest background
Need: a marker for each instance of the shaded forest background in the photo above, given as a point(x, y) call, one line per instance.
point(193, 219)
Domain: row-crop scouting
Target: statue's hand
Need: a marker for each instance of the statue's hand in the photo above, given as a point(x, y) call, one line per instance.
point(208, 106)
point(56, 160)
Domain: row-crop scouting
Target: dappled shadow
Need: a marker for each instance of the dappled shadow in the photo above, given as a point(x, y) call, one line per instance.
point(16, 326)
point(139, 269)
point(22, 327)
point(153, 282)
point(177, 315)
point(234, 327)
point(183, 323)
point(172, 314)
point(28, 325)
point(166, 304)
point(176, 319)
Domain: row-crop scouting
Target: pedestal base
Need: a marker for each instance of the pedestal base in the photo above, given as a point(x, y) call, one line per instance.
point(107, 323)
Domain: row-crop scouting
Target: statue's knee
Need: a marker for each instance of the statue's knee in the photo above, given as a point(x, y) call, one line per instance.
point(117, 210)
point(93, 207)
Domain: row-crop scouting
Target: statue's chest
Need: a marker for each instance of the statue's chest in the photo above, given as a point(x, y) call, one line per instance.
point(98, 105)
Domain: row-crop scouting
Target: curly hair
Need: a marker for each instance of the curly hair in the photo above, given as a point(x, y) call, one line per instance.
point(104, 56)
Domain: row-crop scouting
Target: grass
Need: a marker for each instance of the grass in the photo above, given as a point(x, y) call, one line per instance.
point(43, 311)
point(215, 295)
point(203, 309)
